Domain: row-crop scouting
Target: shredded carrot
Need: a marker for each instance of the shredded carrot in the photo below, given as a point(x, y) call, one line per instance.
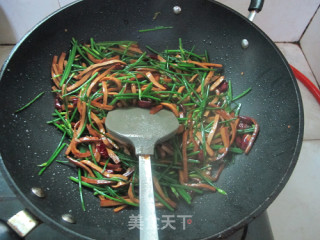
point(201, 186)
point(79, 164)
point(103, 64)
point(185, 156)
point(208, 148)
point(79, 83)
point(155, 109)
point(96, 181)
point(120, 208)
point(213, 129)
point(206, 81)
point(61, 62)
point(172, 107)
point(100, 170)
point(153, 80)
point(216, 83)
point(161, 193)
point(131, 195)
point(111, 203)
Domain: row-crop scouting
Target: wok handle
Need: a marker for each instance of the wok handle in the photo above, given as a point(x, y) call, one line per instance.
point(19, 225)
point(148, 218)
point(256, 5)
point(6, 232)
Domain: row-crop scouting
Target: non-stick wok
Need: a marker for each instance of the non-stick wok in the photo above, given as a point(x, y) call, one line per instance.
point(252, 181)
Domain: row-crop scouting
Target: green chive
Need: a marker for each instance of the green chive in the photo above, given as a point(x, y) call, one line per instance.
point(154, 29)
point(29, 103)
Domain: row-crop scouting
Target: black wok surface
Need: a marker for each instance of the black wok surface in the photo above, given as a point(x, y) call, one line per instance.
point(252, 182)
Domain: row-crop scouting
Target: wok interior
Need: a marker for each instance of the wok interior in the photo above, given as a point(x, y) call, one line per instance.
point(252, 181)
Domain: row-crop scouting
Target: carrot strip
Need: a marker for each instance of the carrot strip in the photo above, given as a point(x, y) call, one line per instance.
point(193, 78)
point(113, 156)
point(105, 141)
point(102, 106)
point(54, 71)
point(102, 64)
point(161, 193)
point(120, 184)
point(180, 90)
point(208, 148)
point(92, 131)
point(155, 109)
point(216, 83)
point(100, 170)
point(153, 80)
point(161, 59)
point(181, 129)
point(105, 93)
point(213, 65)
point(234, 130)
point(201, 186)
point(131, 195)
point(120, 208)
point(96, 181)
point(115, 80)
point(225, 137)
point(82, 111)
point(79, 164)
point(213, 129)
point(79, 83)
point(185, 156)
point(253, 136)
point(61, 62)
point(88, 139)
point(99, 123)
point(99, 78)
point(95, 60)
point(112, 203)
point(196, 63)
point(172, 107)
point(206, 81)
point(132, 49)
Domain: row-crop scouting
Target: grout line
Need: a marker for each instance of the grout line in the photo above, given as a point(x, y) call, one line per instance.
point(301, 49)
point(305, 57)
point(305, 29)
point(7, 44)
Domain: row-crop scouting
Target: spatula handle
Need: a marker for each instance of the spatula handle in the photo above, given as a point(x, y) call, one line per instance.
point(148, 219)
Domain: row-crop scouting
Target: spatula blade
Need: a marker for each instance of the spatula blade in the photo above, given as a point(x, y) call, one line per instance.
point(140, 128)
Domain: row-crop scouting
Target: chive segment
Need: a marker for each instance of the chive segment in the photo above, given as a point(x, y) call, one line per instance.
point(29, 103)
point(155, 29)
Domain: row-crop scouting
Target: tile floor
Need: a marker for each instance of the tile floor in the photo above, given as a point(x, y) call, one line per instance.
point(294, 214)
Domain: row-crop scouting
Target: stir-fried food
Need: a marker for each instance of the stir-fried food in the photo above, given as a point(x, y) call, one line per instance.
point(95, 78)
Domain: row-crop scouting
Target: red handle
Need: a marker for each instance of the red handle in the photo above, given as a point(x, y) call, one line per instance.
point(302, 78)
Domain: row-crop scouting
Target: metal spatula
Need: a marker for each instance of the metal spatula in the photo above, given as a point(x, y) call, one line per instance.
point(143, 130)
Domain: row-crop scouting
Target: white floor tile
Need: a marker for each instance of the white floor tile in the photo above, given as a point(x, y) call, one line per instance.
point(310, 44)
point(282, 21)
point(294, 215)
point(295, 57)
point(63, 3)
point(4, 53)
point(20, 16)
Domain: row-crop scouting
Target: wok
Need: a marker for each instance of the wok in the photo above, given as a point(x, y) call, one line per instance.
point(252, 182)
